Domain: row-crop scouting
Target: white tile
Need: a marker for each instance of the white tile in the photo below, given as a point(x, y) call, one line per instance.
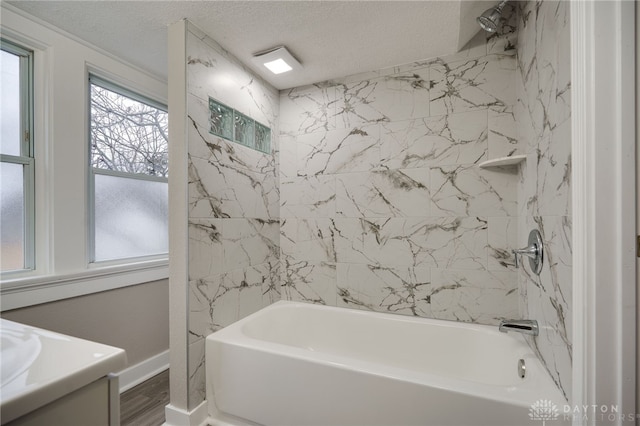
point(248, 242)
point(271, 289)
point(503, 239)
point(392, 97)
point(308, 196)
point(311, 239)
point(203, 295)
point(553, 183)
point(395, 193)
point(205, 248)
point(448, 139)
point(211, 71)
point(288, 157)
point(473, 296)
point(338, 151)
point(467, 190)
point(197, 377)
point(503, 136)
point(442, 242)
point(481, 83)
point(307, 110)
point(398, 290)
point(305, 281)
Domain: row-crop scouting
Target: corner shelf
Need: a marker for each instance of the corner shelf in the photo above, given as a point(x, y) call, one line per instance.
point(514, 160)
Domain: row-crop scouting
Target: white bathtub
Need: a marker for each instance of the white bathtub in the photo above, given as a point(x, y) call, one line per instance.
point(301, 364)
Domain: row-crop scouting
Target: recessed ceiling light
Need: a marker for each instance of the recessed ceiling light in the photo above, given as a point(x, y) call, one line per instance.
point(278, 66)
point(278, 60)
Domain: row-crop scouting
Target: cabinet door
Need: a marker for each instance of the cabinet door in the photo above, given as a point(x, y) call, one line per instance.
point(86, 406)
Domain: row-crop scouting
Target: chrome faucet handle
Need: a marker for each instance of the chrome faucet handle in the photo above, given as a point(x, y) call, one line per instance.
point(534, 252)
point(531, 252)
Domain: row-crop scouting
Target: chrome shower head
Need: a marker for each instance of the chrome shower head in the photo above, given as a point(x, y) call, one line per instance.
point(491, 17)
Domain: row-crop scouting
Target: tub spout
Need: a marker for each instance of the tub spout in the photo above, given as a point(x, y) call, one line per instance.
point(521, 326)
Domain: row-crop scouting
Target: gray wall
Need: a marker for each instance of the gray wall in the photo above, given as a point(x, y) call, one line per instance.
point(134, 318)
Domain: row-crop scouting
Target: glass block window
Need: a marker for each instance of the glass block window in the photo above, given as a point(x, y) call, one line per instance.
point(130, 169)
point(220, 120)
point(17, 233)
point(262, 138)
point(237, 127)
point(244, 129)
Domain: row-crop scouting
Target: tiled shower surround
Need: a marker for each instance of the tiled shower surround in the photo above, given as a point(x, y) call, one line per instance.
point(543, 114)
point(234, 227)
point(372, 197)
point(382, 203)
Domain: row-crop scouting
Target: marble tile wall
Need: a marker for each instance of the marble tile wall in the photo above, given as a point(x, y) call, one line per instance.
point(234, 229)
point(383, 206)
point(543, 113)
point(372, 198)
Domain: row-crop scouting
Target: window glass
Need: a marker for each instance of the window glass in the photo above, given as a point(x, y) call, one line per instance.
point(131, 217)
point(16, 163)
point(129, 163)
point(12, 216)
point(127, 135)
point(9, 103)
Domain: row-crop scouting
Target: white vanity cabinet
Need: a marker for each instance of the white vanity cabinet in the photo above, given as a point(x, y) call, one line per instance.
point(52, 379)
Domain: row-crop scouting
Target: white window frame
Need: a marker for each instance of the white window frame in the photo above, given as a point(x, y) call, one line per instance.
point(25, 158)
point(93, 171)
point(61, 67)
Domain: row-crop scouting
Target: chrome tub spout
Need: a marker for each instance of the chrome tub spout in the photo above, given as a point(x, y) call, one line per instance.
point(521, 326)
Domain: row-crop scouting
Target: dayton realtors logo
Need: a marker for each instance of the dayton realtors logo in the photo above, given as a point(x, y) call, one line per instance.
point(544, 410)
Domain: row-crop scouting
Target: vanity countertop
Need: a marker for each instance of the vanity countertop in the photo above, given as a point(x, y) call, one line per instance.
point(40, 366)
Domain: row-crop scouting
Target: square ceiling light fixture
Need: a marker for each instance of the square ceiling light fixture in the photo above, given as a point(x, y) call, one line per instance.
point(278, 60)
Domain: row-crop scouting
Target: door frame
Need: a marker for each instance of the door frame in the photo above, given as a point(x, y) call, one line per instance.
point(604, 205)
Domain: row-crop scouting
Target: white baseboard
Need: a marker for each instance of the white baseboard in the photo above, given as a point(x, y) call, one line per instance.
point(178, 417)
point(142, 371)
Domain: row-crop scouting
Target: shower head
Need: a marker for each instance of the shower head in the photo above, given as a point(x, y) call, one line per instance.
point(491, 17)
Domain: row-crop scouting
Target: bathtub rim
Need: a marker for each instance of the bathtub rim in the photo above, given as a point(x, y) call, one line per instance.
point(536, 385)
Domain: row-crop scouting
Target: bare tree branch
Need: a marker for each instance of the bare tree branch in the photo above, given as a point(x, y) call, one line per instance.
point(128, 135)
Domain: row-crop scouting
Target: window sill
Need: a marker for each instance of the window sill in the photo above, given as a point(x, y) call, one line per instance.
point(28, 291)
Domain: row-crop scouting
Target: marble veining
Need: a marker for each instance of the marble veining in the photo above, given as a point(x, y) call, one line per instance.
point(379, 186)
point(338, 151)
point(234, 202)
point(459, 138)
point(393, 97)
point(543, 113)
point(383, 193)
point(371, 197)
point(464, 190)
point(308, 109)
point(385, 289)
point(480, 83)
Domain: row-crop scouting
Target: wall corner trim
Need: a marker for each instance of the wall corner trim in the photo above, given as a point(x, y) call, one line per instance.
point(178, 417)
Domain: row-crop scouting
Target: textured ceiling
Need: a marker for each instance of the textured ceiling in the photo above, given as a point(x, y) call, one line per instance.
point(331, 38)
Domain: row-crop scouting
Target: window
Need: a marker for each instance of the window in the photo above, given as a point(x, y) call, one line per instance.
point(16, 159)
point(83, 168)
point(129, 174)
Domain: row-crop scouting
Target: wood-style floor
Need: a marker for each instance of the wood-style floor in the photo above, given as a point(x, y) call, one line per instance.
point(144, 404)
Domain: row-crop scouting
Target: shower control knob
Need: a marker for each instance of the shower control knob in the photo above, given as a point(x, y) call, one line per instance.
point(533, 251)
